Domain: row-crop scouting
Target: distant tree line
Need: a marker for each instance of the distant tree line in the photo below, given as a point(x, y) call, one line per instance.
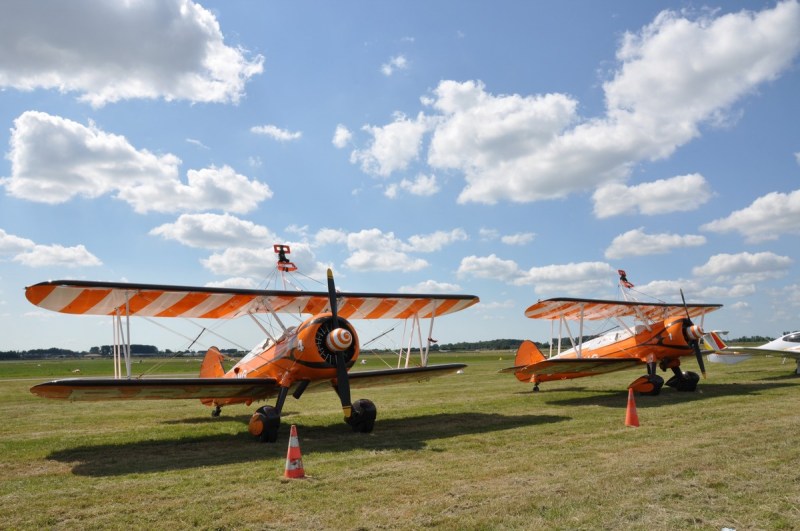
point(752, 339)
point(492, 344)
point(103, 351)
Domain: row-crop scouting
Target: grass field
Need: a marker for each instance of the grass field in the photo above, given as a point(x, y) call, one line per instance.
point(472, 451)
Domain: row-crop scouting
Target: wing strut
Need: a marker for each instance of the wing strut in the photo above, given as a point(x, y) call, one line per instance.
point(122, 344)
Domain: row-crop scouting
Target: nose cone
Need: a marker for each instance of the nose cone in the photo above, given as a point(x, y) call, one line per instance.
point(694, 332)
point(339, 340)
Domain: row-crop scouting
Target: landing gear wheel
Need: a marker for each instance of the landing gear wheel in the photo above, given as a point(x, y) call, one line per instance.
point(536, 388)
point(216, 411)
point(686, 382)
point(264, 424)
point(362, 418)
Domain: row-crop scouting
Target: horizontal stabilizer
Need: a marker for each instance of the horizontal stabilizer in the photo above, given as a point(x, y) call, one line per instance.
point(729, 359)
point(96, 389)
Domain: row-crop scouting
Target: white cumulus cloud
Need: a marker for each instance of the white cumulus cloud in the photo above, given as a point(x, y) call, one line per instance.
point(341, 136)
point(215, 231)
point(393, 146)
point(423, 185)
point(638, 243)
point(54, 159)
point(673, 76)
point(398, 62)
point(520, 238)
point(430, 286)
point(111, 51)
point(678, 194)
point(767, 218)
point(276, 133)
point(57, 256)
point(744, 267)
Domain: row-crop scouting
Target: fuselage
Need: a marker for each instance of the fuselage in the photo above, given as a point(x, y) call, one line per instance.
point(787, 342)
point(663, 339)
point(300, 354)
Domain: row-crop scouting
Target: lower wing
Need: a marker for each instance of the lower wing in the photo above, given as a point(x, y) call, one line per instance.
point(95, 389)
point(576, 366)
point(364, 379)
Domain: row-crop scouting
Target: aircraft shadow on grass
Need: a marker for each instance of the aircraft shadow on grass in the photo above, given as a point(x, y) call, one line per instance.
point(412, 433)
point(619, 398)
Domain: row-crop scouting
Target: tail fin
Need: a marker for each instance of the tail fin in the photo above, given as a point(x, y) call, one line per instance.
point(527, 354)
point(212, 364)
point(714, 342)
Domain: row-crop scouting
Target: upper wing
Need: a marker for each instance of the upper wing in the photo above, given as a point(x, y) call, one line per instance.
point(94, 389)
point(109, 298)
point(575, 366)
point(594, 309)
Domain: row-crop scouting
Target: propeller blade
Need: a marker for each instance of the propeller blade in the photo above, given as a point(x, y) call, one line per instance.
point(699, 355)
point(332, 297)
point(342, 378)
point(683, 299)
point(696, 342)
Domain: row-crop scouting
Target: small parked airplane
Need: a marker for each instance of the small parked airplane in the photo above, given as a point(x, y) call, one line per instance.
point(321, 350)
point(660, 335)
point(787, 346)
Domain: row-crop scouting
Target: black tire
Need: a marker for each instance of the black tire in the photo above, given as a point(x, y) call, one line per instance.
point(686, 382)
point(269, 420)
point(363, 416)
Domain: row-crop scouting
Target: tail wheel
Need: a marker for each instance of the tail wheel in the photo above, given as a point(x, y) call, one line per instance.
point(362, 419)
point(264, 424)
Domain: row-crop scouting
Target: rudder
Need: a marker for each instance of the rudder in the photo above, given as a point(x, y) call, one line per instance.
point(212, 364)
point(527, 354)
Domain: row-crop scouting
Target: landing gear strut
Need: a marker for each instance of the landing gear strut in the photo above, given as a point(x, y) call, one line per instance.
point(216, 411)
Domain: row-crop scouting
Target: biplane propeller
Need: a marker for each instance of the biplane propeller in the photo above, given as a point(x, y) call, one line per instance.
point(658, 338)
point(320, 350)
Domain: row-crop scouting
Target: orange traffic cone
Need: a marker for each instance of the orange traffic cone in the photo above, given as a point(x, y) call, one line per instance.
point(294, 461)
point(631, 418)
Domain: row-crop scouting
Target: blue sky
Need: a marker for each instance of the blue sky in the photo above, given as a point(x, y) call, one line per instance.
point(511, 150)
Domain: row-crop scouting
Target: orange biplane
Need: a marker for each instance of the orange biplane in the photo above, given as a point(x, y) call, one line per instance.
point(660, 335)
point(321, 350)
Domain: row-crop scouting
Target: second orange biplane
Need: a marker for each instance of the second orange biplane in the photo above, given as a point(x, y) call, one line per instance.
point(659, 337)
point(321, 350)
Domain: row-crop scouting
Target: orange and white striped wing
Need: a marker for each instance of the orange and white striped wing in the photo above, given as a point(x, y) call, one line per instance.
point(109, 298)
point(594, 309)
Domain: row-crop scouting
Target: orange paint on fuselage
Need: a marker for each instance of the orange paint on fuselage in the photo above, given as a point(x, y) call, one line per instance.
point(294, 357)
point(664, 340)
